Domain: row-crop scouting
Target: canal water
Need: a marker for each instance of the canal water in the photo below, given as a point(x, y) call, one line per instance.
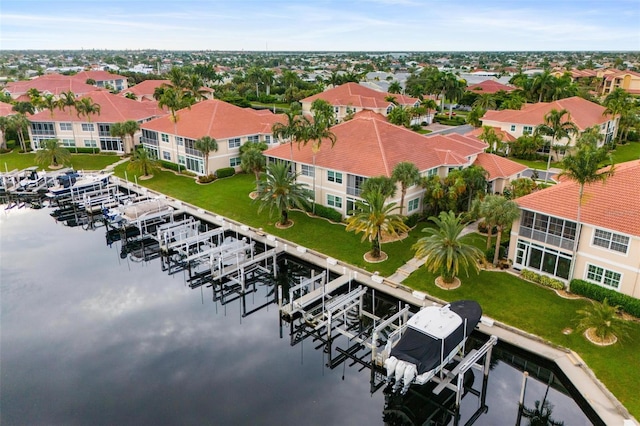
point(91, 337)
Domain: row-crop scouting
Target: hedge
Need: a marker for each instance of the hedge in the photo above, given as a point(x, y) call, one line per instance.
point(629, 304)
point(542, 279)
point(80, 150)
point(327, 213)
point(225, 172)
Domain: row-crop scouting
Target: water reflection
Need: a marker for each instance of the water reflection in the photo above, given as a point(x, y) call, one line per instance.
point(89, 337)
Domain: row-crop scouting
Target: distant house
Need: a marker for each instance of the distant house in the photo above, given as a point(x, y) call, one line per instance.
point(103, 79)
point(607, 80)
point(489, 86)
point(229, 125)
point(369, 146)
point(583, 113)
point(608, 247)
point(350, 98)
point(78, 131)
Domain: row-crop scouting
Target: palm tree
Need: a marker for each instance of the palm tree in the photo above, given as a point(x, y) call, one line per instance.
point(289, 131)
point(117, 130)
point(443, 251)
point(475, 182)
point(557, 127)
point(278, 191)
point(395, 87)
point(490, 136)
point(87, 107)
point(49, 102)
point(205, 145)
point(385, 185)
point(584, 166)
point(130, 127)
point(254, 76)
point(252, 159)
point(620, 103)
point(543, 85)
point(316, 131)
point(603, 321)
point(5, 124)
point(374, 219)
point(142, 162)
point(173, 98)
point(68, 100)
point(20, 124)
point(400, 116)
point(500, 213)
point(268, 78)
point(407, 174)
point(52, 154)
point(485, 101)
point(429, 105)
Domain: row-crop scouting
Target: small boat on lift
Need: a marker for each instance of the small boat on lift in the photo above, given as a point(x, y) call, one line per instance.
point(75, 183)
point(432, 338)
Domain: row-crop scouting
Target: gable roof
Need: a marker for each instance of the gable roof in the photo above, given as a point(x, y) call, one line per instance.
point(218, 119)
point(583, 113)
point(489, 86)
point(359, 96)
point(146, 87)
point(613, 204)
point(506, 136)
point(369, 146)
point(113, 109)
point(97, 75)
point(6, 109)
point(497, 166)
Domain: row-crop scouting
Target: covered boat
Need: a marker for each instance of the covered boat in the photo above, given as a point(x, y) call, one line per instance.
point(432, 339)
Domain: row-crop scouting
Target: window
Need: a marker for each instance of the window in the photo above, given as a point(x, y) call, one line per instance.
point(194, 164)
point(547, 229)
point(267, 139)
point(603, 276)
point(432, 172)
point(307, 170)
point(351, 205)
point(180, 140)
point(389, 108)
point(164, 137)
point(87, 127)
point(527, 130)
point(149, 137)
point(234, 162)
point(336, 109)
point(413, 205)
point(90, 143)
point(611, 241)
point(335, 177)
point(334, 201)
point(68, 142)
point(65, 126)
point(166, 155)
point(181, 160)
point(354, 184)
point(234, 143)
point(44, 129)
point(513, 127)
point(543, 259)
point(253, 138)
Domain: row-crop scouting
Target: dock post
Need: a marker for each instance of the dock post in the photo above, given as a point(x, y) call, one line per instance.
point(521, 400)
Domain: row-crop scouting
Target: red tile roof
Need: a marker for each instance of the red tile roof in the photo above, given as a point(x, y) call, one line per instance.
point(146, 87)
point(498, 167)
point(5, 109)
point(613, 204)
point(358, 96)
point(113, 109)
point(218, 119)
point(506, 136)
point(83, 76)
point(583, 113)
point(369, 146)
point(50, 83)
point(489, 86)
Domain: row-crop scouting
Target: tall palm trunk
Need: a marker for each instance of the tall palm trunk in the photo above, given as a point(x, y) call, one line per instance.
point(574, 250)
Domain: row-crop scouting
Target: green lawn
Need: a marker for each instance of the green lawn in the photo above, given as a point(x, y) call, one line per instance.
point(627, 152)
point(14, 160)
point(540, 311)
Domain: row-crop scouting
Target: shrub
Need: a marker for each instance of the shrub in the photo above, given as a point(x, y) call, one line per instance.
point(492, 250)
point(169, 165)
point(327, 213)
point(225, 172)
point(412, 220)
point(83, 150)
point(628, 304)
point(542, 279)
point(207, 178)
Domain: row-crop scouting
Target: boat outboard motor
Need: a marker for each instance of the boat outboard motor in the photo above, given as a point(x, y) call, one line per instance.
point(390, 364)
point(410, 373)
point(400, 367)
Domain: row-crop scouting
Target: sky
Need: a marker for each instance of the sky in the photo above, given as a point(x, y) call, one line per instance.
point(321, 25)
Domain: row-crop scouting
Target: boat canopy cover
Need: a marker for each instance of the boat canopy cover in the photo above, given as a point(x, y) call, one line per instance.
point(425, 351)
